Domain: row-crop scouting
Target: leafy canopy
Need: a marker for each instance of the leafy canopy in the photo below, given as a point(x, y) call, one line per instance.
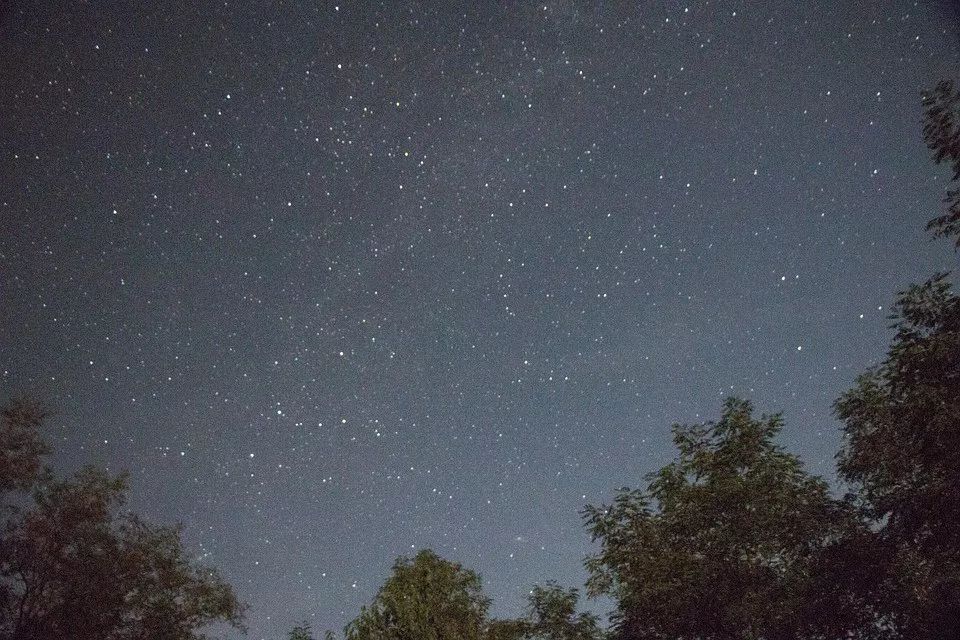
point(551, 615)
point(901, 453)
point(941, 130)
point(723, 543)
point(427, 598)
point(75, 564)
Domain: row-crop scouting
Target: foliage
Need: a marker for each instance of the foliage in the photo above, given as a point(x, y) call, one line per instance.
point(551, 615)
point(725, 542)
point(902, 438)
point(74, 565)
point(301, 632)
point(941, 130)
point(427, 598)
point(733, 540)
point(21, 447)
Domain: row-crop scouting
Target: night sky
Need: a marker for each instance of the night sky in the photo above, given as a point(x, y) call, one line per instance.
point(337, 282)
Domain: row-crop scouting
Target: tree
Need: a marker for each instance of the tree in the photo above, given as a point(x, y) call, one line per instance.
point(301, 632)
point(941, 130)
point(901, 425)
point(551, 615)
point(427, 598)
point(21, 447)
point(74, 564)
point(726, 541)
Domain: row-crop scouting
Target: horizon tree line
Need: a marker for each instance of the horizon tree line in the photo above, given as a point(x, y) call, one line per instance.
point(732, 540)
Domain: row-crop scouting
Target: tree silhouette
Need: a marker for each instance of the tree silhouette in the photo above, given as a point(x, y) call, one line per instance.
point(301, 632)
point(902, 440)
point(427, 598)
point(551, 615)
point(725, 542)
point(74, 564)
point(941, 130)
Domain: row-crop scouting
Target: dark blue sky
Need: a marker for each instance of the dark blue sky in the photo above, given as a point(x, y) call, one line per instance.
point(336, 282)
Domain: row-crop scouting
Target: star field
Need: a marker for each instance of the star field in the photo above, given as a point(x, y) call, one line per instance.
point(339, 281)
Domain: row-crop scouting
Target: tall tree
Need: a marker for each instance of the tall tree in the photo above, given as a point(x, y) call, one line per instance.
point(901, 426)
point(725, 543)
point(427, 598)
point(75, 564)
point(901, 453)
